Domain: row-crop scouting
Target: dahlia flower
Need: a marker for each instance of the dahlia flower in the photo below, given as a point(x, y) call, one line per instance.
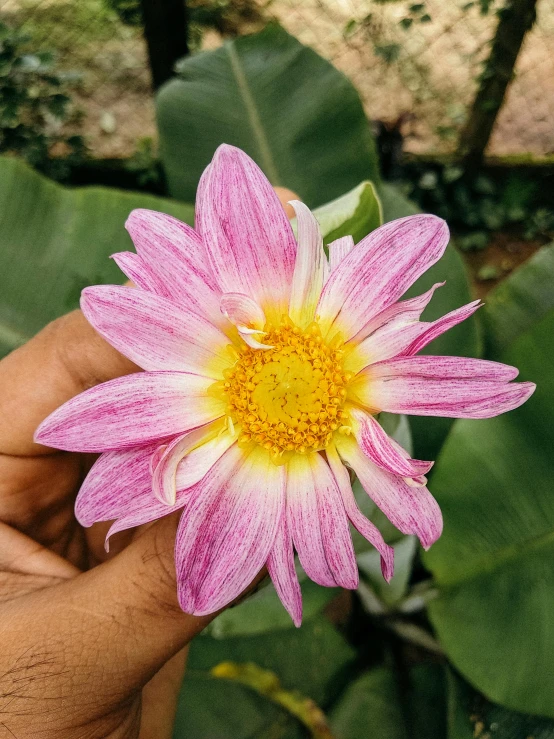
point(265, 366)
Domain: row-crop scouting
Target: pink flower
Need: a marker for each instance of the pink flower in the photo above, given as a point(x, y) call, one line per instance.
point(265, 366)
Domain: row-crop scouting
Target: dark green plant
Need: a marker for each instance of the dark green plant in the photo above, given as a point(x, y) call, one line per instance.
point(480, 204)
point(34, 105)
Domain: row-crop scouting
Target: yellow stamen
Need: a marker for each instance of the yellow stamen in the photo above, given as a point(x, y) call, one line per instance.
point(287, 398)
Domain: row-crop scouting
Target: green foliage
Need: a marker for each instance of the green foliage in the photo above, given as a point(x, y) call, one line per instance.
point(520, 301)
point(471, 716)
point(227, 17)
point(34, 105)
point(128, 11)
point(264, 612)
point(481, 204)
point(383, 704)
point(55, 241)
point(291, 110)
point(355, 214)
point(493, 562)
point(313, 661)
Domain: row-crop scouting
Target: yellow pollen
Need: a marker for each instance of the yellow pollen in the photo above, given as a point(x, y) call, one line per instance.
point(288, 398)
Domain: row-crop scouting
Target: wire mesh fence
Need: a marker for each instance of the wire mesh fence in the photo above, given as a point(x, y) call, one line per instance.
point(415, 64)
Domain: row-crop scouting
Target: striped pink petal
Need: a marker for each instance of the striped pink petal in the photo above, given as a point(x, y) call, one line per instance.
point(143, 510)
point(280, 565)
point(432, 367)
point(136, 269)
point(154, 332)
point(228, 529)
point(455, 387)
point(114, 481)
point(175, 254)
point(383, 451)
point(399, 314)
point(208, 443)
point(198, 462)
point(249, 240)
point(339, 250)
point(404, 339)
point(130, 411)
point(366, 528)
point(436, 328)
point(379, 270)
point(413, 510)
point(318, 522)
point(310, 267)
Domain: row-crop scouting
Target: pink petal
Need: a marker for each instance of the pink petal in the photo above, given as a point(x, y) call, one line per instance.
point(436, 328)
point(318, 523)
point(198, 461)
point(138, 271)
point(165, 477)
point(451, 398)
point(335, 531)
point(119, 486)
point(244, 313)
point(309, 269)
point(379, 270)
point(339, 249)
point(143, 510)
point(248, 237)
point(114, 481)
point(383, 451)
point(174, 252)
point(386, 342)
point(155, 333)
point(455, 387)
point(444, 367)
point(413, 510)
point(242, 310)
point(130, 411)
point(228, 529)
point(366, 528)
point(401, 313)
point(280, 565)
point(397, 338)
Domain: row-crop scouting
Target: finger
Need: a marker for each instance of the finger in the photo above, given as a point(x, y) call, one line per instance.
point(107, 631)
point(160, 697)
point(284, 195)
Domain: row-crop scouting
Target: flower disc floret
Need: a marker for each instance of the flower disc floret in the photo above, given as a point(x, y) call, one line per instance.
point(288, 398)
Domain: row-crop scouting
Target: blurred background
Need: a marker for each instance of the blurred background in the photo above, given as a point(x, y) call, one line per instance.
point(446, 107)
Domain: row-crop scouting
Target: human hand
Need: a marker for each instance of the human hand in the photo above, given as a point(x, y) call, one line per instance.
point(91, 645)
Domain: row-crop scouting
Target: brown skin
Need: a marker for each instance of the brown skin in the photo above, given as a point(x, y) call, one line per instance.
point(92, 646)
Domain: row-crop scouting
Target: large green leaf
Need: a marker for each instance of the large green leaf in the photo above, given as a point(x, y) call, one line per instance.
point(494, 562)
point(519, 301)
point(264, 612)
point(355, 214)
point(310, 659)
point(55, 241)
point(383, 705)
point(472, 716)
point(298, 117)
point(463, 340)
point(313, 660)
point(210, 708)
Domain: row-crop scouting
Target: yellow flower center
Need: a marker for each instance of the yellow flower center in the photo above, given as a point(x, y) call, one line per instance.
point(289, 398)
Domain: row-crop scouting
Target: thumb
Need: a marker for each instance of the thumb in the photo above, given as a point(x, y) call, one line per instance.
point(108, 631)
